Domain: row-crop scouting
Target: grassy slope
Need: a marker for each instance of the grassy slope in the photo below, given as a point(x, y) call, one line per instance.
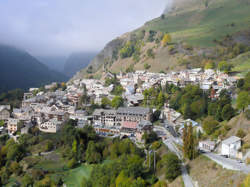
point(200, 27)
point(209, 174)
point(240, 122)
point(196, 26)
point(192, 23)
point(75, 176)
point(241, 63)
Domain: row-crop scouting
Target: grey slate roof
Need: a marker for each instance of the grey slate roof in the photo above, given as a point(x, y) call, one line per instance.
point(133, 110)
point(231, 140)
point(98, 112)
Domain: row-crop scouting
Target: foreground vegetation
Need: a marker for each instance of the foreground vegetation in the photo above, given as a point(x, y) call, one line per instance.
point(79, 157)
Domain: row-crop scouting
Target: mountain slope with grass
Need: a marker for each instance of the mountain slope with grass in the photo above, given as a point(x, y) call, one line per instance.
point(18, 69)
point(216, 30)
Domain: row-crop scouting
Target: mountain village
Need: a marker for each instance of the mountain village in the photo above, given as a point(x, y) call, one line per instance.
point(49, 110)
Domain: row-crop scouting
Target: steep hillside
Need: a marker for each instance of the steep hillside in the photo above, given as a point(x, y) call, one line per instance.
point(77, 61)
point(18, 69)
point(200, 26)
point(209, 174)
point(199, 30)
point(241, 63)
point(237, 123)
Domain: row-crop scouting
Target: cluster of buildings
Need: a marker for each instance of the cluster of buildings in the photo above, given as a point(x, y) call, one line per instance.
point(205, 79)
point(48, 110)
point(125, 121)
point(229, 147)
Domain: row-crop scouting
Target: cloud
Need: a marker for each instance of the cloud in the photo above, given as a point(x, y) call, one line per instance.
point(59, 27)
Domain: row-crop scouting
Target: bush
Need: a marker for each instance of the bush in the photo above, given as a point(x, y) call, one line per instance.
point(227, 127)
point(37, 174)
point(71, 163)
point(240, 133)
point(171, 48)
point(15, 168)
point(156, 145)
point(246, 146)
point(27, 181)
point(147, 66)
point(160, 184)
point(247, 114)
point(151, 36)
point(48, 146)
point(187, 46)
point(150, 53)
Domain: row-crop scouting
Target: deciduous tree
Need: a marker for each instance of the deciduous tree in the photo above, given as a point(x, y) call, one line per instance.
point(243, 100)
point(166, 39)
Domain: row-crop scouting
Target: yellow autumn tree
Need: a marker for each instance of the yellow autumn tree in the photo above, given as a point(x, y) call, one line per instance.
point(166, 39)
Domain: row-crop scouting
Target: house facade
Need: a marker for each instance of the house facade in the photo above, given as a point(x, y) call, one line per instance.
point(51, 126)
point(4, 112)
point(129, 117)
point(230, 147)
point(207, 145)
point(12, 125)
point(105, 117)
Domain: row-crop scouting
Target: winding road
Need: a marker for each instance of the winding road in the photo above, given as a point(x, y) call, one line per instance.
point(228, 163)
point(186, 178)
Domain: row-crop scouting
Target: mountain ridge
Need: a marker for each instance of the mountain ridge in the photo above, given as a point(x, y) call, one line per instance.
point(21, 70)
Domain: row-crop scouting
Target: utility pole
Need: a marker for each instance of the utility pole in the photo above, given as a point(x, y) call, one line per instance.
point(154, 161)
point(149, 159)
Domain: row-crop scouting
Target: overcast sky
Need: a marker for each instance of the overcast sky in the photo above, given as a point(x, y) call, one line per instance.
point(59, 27)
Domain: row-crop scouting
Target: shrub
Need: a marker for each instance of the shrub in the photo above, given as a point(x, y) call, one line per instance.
point(171, 48)
point(27, 181)
point(240, 133)
point(151, 36)
point(156, 145)
point(160, 184)
point(246, 146)
point(150, 53)
point(48, 146)
point(147, 66)
point(227, 127)
point(15, 168)
point(187, 46)
point(247, 114)
point(71, 163)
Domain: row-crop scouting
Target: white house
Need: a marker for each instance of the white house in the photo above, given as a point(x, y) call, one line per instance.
point(231, 146)
point(207, 145)
point(51, 126)
point(12, 125)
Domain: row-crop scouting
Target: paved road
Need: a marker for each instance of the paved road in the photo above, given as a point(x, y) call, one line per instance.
point(186, 178)
point(228, 163)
